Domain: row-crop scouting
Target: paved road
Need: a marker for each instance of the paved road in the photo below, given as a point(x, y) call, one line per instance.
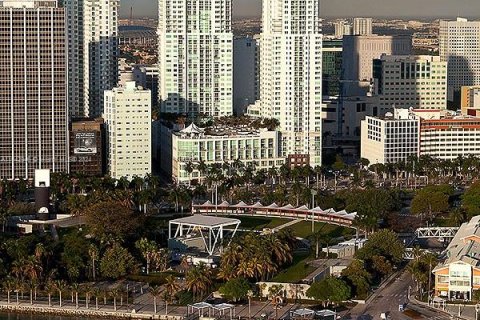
point(388, 300)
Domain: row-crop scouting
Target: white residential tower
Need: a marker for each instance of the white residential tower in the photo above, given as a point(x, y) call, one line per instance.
point(196, 57)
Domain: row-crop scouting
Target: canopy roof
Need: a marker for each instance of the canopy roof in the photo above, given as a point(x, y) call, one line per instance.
point(303, 312)
point(192, 129)
point(205, 221)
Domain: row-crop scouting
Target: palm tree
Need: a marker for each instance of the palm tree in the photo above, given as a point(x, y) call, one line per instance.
point(97, 293)
point(198, 280)
point(114, 294)
point(171, 288)
point(155, 292)
point(75, 288)
point(8, 286)
point(50, 289)
point(94, 256)
point(60, 286)
point(147, 249)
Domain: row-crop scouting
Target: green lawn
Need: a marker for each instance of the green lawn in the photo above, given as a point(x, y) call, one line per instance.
point(303, 229)
point(258, 223)
point(297, 271)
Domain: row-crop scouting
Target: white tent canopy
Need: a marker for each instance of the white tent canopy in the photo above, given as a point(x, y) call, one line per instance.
point(302, 312)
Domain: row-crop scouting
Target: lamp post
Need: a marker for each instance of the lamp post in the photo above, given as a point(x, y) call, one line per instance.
point(249, 295)
point(477, 309)
point(314, 193)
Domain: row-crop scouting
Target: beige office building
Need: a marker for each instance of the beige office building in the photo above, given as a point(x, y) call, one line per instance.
point(129, 131)
point(33, 107)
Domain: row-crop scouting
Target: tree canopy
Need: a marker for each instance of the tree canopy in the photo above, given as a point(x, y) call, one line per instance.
point(329, 289)
point(112, 220)
point(117, 262)
point(235, 289)
point(471, 199)
point(431, 201)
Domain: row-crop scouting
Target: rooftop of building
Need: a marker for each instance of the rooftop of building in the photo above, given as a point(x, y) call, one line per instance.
point(28, 4)
point(465, 246)
point(410, 58)
point(223, 127)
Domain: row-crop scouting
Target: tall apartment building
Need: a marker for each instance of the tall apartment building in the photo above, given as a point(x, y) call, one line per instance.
point(92, 54)
point(459, 45)
point(129, 131)
point(196, 57)
point(418, 82)
point(362, 26)
point(291, 74)
point(246, 59)
point(33, 78)
point(342, 28)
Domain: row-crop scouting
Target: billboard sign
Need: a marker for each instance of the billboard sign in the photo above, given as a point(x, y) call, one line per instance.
point(85, 143)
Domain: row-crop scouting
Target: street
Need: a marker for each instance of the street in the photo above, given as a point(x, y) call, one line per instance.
point(388, 299)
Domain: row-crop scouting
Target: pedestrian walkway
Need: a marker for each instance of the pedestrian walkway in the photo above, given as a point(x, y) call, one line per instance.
point(286, 225)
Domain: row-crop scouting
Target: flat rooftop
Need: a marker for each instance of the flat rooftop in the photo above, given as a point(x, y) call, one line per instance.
point(205, 221)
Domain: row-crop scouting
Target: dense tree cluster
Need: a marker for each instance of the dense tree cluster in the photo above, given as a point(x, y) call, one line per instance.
point(257, 257)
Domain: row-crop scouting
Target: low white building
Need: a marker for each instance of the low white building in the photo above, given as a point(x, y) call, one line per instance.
point(391, 138)
point(128, 125)
point(436, 133)
point(192, 145)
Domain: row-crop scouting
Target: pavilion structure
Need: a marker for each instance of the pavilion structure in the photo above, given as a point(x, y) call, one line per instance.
point(213, 231)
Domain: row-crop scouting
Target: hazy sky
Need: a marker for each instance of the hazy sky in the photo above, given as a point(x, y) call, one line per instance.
point(342, 8)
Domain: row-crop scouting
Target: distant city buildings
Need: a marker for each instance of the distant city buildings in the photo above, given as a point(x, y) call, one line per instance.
point(436, 133)
point(362, 27)
point(460, 47)
point(128, 126)
point(342, 28)
point(246, 60)
point(418, 82)
point(291, 75)
point(33, 94)
point(92, 54)
point(196, 57)
point(258, 147)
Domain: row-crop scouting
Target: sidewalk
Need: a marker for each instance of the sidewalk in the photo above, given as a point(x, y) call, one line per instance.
point(456, 311)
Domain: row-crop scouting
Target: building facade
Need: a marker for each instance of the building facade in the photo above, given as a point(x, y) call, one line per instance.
point(459, 46)
point(360, 51)
point(470, 101)
point(87, 147)
point(291, 74)
point(246, 59)
point(92, 54)
point(33, 78)
point(259, 147)
point(147, 77)
point(418, 82)
point(390, 139)
point(129, 131)
point(331, 67)
point(362, 26)
point(457, 277)
point(196, 57)
point(450, 137)
point(421, 132)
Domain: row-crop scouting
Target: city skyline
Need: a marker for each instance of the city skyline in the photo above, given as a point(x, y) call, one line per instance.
point(336, 8)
